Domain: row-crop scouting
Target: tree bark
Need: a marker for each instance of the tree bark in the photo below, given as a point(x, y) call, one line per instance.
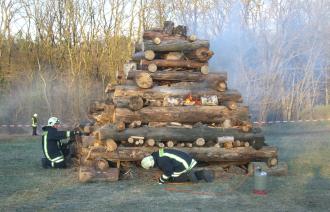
point(189, 135)
point(123, 93)
point(174, 63)
point(201, 54)
point(182, 76)
point(182, 114)
point(150, 35)
point(168, 27)
point(174, 45)
point(148, 55)
point(206, 154)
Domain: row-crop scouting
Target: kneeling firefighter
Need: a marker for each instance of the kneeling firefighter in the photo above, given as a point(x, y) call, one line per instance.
point(176, 166)
point(54, 149)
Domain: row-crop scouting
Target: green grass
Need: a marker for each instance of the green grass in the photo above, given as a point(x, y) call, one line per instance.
point(305, 147)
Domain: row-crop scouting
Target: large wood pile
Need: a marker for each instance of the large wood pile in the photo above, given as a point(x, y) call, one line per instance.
point(169, 99)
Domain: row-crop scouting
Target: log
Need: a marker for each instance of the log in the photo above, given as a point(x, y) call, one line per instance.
point(90, 174)
point(189, 145)
point(135, 124)
point(207, 154)
point(101, 164)
point(143, 80)
point(150, 35)
point(201, 54)
point(87, 141)
point(230, 105)
point(199, 142)
point(174, 63)
point(173, 45)
point(120, 126)
point(110, 145)
point(123, 93)
point(192, 38)
point(156, 40)
point(173, 56)
point(168, 27)
point(160, 144)
point(227, 124)
point(135, 103)
point(183, 76)
point(180, 30)
point(186, 114)
point(150, 142)
point(170, 144)
point(148, 55)
point(163, 134)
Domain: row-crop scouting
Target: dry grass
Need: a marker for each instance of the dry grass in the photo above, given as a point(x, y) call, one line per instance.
point(305, 147)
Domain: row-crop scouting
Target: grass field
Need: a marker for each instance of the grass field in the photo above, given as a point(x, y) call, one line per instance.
point(25, 186)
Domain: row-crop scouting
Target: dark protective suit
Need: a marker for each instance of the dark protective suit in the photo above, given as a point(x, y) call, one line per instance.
point(175, 164)
point(53, 148)
point(34, 125)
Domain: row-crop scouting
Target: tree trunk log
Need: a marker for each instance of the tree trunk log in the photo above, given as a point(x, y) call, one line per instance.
point(174, 45)
point(163, 134)
point(148, 55)
point(174, 63)
point(182, 76)
point(206, 154)
point(150, 35)
point(201, 54)
point(135, 103)
point(143, 80)
point(123, 93)
point(182, 114)
point(168, 27)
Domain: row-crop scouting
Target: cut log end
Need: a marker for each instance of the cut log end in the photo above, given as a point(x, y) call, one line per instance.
point(192, 38)
point(156, 40)
point(149, 54)
point(135, 103)
point(144, 80)
point(200, 142)
point(204, 69)
point(152, 67)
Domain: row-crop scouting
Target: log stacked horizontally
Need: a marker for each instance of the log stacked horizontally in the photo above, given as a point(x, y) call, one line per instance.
point(170, 99)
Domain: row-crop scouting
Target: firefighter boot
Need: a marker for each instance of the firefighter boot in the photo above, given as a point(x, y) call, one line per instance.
point(205, 175)
point(45, 163)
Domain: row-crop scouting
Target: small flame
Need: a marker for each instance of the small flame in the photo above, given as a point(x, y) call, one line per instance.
point(191, 101)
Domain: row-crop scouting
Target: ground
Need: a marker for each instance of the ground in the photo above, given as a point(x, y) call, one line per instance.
point(24, 185)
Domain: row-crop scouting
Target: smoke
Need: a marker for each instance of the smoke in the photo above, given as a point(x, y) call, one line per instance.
point(277, 59)
point(49, 95)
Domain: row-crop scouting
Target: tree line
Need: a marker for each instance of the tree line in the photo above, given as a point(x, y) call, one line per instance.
point(57, 56)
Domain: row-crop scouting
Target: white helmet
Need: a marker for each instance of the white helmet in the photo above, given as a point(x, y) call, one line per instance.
point(52, 121)
point(35, 115)
point(148, 162)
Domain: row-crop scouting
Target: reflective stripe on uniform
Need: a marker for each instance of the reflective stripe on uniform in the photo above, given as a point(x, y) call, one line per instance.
point(177, 158)
point(45, 146)
point(67, 133)
point(54, 160)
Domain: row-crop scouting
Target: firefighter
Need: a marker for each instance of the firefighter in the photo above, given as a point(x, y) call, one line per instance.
point(34, 124)
point(176, 166)
point(53, 148)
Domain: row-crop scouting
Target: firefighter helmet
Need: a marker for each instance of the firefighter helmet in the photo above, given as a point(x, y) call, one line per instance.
point(148, 162)
point(52, 121)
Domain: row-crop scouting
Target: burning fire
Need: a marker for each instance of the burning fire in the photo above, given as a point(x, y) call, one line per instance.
point(189, 100)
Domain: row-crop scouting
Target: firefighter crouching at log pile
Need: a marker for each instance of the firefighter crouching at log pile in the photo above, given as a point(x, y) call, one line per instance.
point(176, 166)
point(55, 150)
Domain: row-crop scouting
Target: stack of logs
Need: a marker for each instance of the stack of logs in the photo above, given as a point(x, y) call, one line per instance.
point(169, 99)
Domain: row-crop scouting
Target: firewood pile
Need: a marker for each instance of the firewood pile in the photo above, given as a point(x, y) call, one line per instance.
point(168, 98)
